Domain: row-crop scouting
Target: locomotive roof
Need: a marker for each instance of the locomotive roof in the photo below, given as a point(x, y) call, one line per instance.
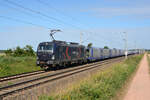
point(62, 43)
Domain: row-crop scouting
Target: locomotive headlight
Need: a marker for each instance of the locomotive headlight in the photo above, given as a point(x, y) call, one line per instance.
point(53, 57)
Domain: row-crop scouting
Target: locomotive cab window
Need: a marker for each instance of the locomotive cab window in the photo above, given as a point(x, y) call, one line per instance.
point(48, 48)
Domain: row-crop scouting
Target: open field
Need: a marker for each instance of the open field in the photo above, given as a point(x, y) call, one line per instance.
point(2, 54)
point(17, 65)
point(102, 86)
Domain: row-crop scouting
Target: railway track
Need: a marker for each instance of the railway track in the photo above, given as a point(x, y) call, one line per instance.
point(12, 77)
point(42, 79)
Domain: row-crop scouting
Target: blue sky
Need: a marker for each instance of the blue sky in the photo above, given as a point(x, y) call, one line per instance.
point(102, 22)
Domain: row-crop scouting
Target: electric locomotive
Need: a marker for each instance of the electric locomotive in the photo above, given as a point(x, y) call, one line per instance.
point(60, 53)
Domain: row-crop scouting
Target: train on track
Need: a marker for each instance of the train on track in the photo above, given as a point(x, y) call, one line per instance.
point(61, 53)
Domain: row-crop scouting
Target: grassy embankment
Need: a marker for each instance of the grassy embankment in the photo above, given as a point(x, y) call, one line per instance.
point(102, 86)
point(16, 65)
point(148, 58)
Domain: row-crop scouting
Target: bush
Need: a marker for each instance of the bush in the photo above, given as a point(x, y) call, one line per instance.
point(8, 52)
point(29, 51)
point(17, 52)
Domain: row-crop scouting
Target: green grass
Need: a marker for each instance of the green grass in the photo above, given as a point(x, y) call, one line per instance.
point(148, 58)
point(17, 65)
point(102, 86)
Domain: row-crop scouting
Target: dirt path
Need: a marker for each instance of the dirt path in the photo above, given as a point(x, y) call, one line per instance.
point(139, 89)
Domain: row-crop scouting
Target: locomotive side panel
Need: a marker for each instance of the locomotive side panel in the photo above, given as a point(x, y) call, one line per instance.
point(70, 54)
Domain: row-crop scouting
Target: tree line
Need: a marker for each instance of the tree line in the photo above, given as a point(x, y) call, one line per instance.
point(18, 51)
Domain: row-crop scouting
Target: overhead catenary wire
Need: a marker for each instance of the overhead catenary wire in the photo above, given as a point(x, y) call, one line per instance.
point(72, 18)
point(40, 13)
point(33, 24)
point(26, 13)
point(44, 15)
point(60, 11)
point(24, 22)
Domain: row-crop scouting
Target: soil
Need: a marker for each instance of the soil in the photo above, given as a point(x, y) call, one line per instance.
point(139, 87)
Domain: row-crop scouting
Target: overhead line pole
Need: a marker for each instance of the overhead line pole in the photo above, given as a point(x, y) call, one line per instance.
point(81, 34)
point(135, 46)
point(126, 45)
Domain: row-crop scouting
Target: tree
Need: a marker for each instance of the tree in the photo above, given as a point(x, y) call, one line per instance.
point(19, 52)
point(9, 52)
point(29, 50)
point(106, 47)
point(90, 45)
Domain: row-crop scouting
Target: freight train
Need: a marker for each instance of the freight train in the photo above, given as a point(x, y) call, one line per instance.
point(61, 53)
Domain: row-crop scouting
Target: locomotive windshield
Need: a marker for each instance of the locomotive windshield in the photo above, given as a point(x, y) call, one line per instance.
point(48, 48)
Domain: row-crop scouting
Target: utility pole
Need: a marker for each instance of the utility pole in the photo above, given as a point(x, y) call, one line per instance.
point(126, 45)
point(135, 47)
point(81, 34)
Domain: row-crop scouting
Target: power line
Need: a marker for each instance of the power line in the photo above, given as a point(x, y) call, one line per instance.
point(22, 21)
point(61, 12)
point(26, 13)
point(58, 11)
point(40, 13)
